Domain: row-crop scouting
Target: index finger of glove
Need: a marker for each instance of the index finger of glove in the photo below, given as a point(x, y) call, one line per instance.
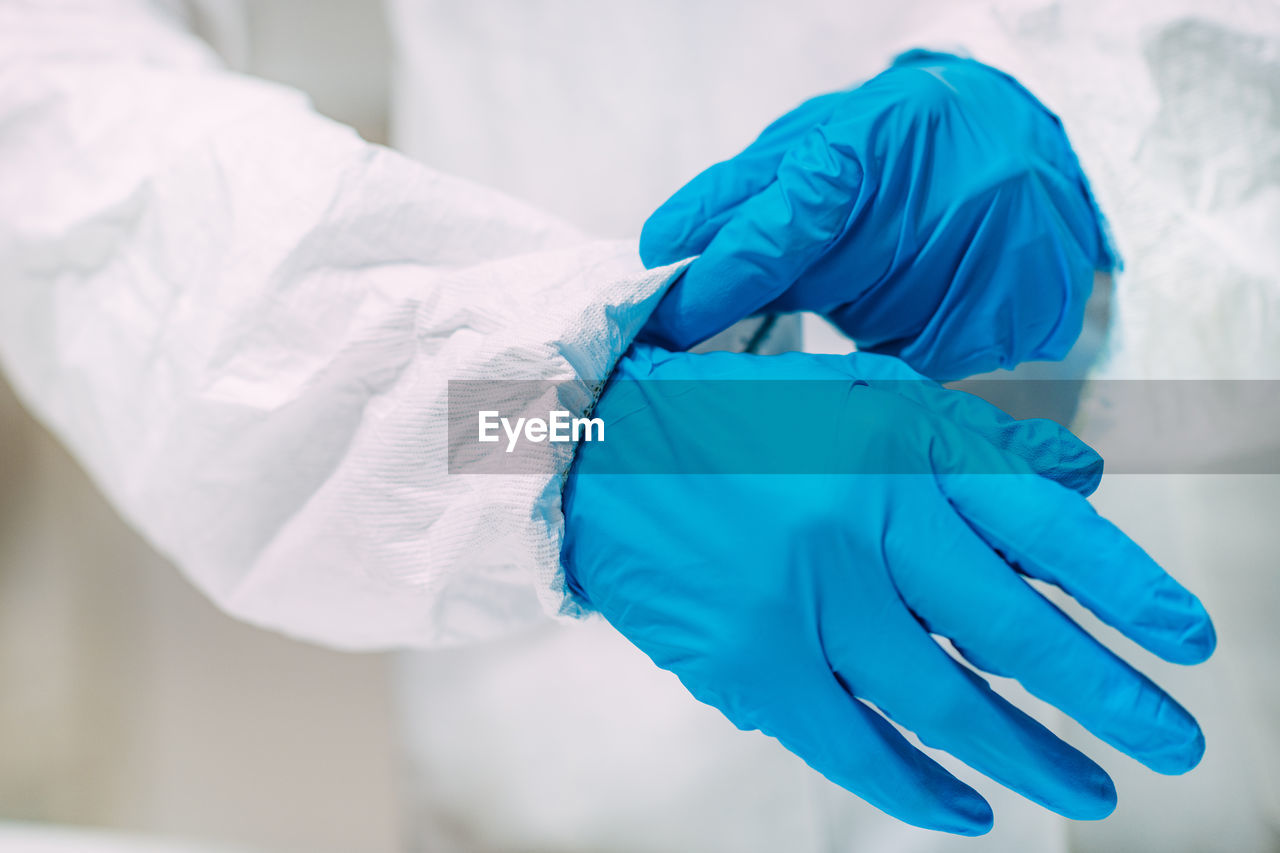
point(769, 241)
point(1053, 534)
point(685, 223)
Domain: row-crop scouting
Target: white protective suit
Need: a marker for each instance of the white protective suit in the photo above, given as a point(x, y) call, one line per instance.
point(241, 318)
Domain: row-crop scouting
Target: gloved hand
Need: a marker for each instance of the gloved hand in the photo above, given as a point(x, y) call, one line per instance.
point(802, 604)
point(936, 212)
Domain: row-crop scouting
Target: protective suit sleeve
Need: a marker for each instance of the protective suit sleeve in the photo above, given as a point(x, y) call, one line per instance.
point(242, 319)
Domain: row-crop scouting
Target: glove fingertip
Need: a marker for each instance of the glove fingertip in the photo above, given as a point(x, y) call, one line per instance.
point(1175, 760)
point(1196, 643)
point(1100, 798)
point(689, 312)
point(972, 815)
point(659, 245)
point(1055, 453)
point(1082, 471)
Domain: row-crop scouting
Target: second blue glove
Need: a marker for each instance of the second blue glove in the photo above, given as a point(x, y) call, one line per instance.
point(937, 212)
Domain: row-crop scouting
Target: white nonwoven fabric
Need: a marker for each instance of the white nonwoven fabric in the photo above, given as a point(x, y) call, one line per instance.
point(242, 318)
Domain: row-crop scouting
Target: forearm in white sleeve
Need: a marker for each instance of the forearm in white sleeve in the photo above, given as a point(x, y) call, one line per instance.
point(242, 319)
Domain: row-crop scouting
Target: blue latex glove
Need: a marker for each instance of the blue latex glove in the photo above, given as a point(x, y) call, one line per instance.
point(780, 597)
point(936, 212)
